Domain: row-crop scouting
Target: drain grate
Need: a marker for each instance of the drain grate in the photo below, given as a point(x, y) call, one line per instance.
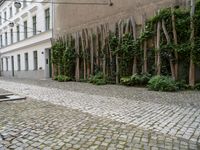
point(10, 97)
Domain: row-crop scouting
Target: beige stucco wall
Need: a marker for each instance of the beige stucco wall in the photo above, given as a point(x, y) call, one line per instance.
point(70, 18)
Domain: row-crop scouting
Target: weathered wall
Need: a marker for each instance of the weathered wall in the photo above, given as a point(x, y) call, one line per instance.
point(70, 18)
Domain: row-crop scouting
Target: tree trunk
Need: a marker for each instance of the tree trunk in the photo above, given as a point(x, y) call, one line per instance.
point(158, 49)
point(175, 42)
point(117, 69)
point(97, 47)
point(192, 66)
point(77, 58)
point(87, 48)
point(133, 23)
point(168, 42)
point(92, 53)
point(103, 37)
point(84, 59)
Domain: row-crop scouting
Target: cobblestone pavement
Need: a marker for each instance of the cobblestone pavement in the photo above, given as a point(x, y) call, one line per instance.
point(185, 98)
point(179, 120)
point(30, 124)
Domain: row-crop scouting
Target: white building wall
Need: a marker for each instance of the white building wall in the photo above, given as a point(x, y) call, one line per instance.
point(39, 42)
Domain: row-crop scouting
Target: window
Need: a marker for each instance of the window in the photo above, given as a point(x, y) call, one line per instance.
point(6, 64)
point(0, 20)
point(25, 30)
point(18, 62)
point(34, 25)
point(11, 12)
point(35, 60)
point(18, 34)
point(17, 10)
point(11, 36)
point(6, 39)
point(26, 61)
point(5, 16)
point(1, 41)
point(24, 3)
point(47, 19)
point(2, 64)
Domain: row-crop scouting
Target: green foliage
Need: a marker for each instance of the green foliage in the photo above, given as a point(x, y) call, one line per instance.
point(136, 80)
point(63, 56)
point(197, 86)
point(196, 52)
point(126, 81)
point(98, 79)
point(162, 83)
point(181, 85)
point(62, 78)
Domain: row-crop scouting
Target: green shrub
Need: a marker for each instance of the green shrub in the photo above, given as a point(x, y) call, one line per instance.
point(144, 79)
point(197, 86)
point(98, 79)
point(181, 85)
point(55, 78)
point(126, 81)
point(136, 80)
point(62, 78)
point(162, 83)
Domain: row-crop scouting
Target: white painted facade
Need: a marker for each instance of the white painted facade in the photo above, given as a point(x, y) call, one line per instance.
point(40, 42)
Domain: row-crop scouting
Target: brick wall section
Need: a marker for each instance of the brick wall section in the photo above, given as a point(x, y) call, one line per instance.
point(71, 18)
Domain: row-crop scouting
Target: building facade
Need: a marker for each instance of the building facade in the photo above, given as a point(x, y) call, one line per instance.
point(96, 12)
point(25, 39)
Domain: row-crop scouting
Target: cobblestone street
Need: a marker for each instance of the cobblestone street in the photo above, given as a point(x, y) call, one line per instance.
point(79, 115)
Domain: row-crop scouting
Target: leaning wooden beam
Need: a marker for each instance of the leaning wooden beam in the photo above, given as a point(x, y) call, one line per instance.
point(175, 40)
point(83, 50)
point(77, 49)
point(91, 52)
point(145, 46)
point(117, 56)
point(158, 49)
point(133, 24)
point(168, 42)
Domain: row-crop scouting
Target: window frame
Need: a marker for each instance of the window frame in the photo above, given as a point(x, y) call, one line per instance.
point(6, 39)
point(47, 19)
point(11, 36)
point(34, 20)
point(19, 62)
point(35, 60)
point(26, 62)
point(18, 33)
point(25, 29)
point(11, 11)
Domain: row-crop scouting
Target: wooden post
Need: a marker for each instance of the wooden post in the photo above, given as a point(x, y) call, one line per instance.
point(175, 42)
point(133, 23)
point(77, 48)
point(168, 42)
point(91, 52)
point(192, 66)
point(158, 49)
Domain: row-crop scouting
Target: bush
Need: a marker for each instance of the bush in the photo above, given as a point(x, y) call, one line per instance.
point(181, 85)
point(98, 79)
point(126, 81)
point(197, 86)
point(62, 78)
point(145, 79)
point(162, 83)
point(136, 80)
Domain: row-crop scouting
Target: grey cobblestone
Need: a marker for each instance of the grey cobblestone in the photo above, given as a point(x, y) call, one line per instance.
point(171, 119)
point(137, 124)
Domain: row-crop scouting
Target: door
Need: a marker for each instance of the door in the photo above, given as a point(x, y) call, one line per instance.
point(12, 65)
point(48, 64)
